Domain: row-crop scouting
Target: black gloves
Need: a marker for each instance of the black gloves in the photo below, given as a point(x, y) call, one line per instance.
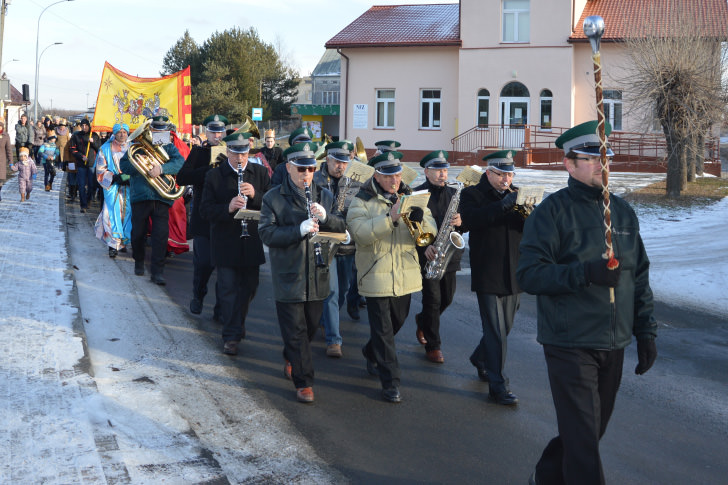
point(597, 273)
point(120, 178)
point(509, 201)
point(416, 214)
point(646, 354)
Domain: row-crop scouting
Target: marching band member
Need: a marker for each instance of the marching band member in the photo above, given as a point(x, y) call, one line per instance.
point(583, 333)
point(300, 135)
point(436, 294)
point(495, 232)
point(146, 203)
point(236, 258)
point(330, 176)
point(386, 261)
point(291, 212)
point(193, 173)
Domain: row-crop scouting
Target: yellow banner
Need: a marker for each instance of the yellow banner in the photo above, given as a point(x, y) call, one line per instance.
point(129, 99)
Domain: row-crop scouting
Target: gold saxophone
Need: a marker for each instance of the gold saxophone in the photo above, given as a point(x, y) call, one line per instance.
point(447, 240)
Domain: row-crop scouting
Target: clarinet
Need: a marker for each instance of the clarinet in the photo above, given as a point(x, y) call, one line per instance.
point(316, 246)
point(243, 222)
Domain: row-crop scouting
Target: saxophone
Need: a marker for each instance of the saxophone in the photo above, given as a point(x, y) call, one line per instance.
point(447, 240)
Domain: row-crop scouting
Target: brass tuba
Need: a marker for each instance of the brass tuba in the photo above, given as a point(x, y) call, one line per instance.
point(361, 153)
point(144, 154)
point(249, 126)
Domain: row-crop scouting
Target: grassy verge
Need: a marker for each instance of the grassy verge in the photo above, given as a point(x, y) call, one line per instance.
point(704, 191)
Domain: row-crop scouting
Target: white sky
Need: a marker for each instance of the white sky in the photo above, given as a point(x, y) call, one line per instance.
point(134, 35)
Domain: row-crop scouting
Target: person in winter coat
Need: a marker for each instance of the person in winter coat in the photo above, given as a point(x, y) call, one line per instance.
point(23, 135)
point(26, 173)
point(292, 213)
point(388, 269)
point(39, 137)
point(6, 155)
point(588, 310)
point(48, 153)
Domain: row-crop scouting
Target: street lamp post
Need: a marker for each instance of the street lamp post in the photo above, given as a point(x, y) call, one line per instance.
point(37, 38)
point(35, 113)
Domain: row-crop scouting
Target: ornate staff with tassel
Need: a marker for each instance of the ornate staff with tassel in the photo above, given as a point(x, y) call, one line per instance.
point(593, 29)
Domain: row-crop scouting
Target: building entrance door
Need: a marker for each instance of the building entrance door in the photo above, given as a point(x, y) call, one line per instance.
point(514, 118)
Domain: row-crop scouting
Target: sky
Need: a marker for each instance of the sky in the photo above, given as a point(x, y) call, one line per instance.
point(134, 36)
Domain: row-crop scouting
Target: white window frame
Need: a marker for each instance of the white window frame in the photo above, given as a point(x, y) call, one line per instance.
point(433, 124)
point(609, 109)
point(516, 13)
point(329, 97)
point(386, 103)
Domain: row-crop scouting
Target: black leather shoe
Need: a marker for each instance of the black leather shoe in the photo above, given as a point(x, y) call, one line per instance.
point(113, 252)
point(139, 268)
point(482, 373)
point(158, 279)
point(506, 398)
point(196, 306)
point(371, 365)
point(391, 394)
point(230, 347)
point(353, 311)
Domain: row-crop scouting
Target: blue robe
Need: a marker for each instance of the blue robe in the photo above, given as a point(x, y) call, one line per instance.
point(113, 225)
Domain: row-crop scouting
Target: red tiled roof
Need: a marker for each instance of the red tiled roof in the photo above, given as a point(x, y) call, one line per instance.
point(632, 18)
point(402, 25)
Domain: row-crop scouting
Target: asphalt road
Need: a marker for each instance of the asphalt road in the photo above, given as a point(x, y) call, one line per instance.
point(669, 426)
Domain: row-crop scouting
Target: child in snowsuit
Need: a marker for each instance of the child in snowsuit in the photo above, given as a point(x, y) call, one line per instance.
point(26, 172)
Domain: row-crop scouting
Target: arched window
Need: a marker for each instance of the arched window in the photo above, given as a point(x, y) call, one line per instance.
point(515, 90)
point(483, 107)
point(546, 103)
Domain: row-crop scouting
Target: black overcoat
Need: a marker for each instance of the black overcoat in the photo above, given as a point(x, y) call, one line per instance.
point(494, 238)
point(227, 248)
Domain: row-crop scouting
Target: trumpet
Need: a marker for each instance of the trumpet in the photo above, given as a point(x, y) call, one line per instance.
point(422, 238)
point(525, 209)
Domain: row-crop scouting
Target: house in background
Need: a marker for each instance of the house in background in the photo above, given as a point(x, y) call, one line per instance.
point(321, 113)
point(483, 75)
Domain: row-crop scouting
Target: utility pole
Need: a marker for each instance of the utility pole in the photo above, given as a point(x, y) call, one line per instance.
point(3, 7)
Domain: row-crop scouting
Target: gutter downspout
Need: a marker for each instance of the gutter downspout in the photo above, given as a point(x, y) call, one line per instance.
point(346, 94)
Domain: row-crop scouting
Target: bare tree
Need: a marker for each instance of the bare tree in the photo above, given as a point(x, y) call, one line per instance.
point(676, 63)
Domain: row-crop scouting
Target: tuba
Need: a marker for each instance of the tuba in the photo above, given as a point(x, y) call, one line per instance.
point(249, 126)
point(144, 154)
point(361, 153)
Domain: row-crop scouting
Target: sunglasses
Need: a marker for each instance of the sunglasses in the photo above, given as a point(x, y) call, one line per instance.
point(306, 169)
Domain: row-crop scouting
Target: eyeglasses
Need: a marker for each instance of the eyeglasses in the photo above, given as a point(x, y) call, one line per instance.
point(306, 169)
point(503, 174)
point(592, 159)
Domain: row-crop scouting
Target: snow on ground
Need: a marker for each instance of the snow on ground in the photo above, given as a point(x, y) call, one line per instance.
point(143, 414)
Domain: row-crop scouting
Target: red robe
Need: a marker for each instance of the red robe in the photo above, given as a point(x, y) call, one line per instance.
point(177, 241)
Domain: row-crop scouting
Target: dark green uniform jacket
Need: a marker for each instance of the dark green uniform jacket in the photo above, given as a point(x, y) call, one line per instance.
point(562, 233)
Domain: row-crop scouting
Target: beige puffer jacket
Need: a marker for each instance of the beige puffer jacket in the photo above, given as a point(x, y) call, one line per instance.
point(386, 258)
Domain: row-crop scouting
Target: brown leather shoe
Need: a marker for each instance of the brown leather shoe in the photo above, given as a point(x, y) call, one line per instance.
point(287, 369)
point(304, 394)
point(230, 347)
point(421, 337)
point(435, 356)
point(334, 350)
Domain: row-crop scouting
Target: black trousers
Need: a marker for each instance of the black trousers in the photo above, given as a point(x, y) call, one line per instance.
point(584, 385)
point(299, 323)
point(140, 214)
point(202, 269)
point(236, 289)
point(496, 316)
point(436, 297)
point(386, 317)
